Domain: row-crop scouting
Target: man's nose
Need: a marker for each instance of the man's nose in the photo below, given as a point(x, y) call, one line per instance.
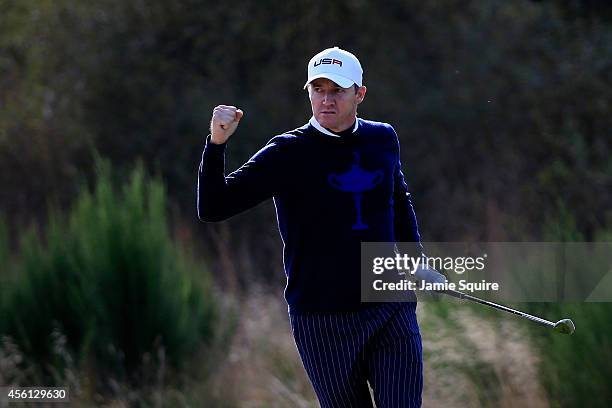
point(328, 98)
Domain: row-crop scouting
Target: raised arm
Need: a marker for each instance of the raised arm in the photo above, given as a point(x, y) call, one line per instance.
point(220, 197)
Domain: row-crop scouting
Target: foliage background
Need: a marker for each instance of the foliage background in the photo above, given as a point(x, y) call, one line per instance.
point(502, 108)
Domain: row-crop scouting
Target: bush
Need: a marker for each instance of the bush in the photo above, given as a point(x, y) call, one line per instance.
point(110, 280)
point(575, 369)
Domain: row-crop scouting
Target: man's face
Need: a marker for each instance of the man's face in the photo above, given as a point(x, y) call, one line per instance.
point(334, 107)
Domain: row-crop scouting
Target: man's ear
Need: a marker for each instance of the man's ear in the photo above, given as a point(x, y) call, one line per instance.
point(361, 94)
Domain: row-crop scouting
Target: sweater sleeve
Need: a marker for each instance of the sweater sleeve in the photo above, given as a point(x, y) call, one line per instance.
point(405, 222)
point(220, 197)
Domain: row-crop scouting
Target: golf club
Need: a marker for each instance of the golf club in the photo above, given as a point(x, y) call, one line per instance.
point(564, 326)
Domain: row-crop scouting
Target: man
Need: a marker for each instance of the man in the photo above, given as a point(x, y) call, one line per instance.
point(336, 182)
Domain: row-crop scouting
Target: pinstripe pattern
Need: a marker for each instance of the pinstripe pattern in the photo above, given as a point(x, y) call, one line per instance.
point(380, 345)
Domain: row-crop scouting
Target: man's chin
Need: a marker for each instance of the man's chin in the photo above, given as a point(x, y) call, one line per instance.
point(327, 124)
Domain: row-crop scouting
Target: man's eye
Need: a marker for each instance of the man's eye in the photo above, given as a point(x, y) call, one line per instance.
point(339, 90)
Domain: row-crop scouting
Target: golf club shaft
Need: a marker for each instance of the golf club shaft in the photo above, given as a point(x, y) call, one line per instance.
point(463, 296)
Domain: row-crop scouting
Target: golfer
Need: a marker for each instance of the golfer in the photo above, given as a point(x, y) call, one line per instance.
point(336, 182)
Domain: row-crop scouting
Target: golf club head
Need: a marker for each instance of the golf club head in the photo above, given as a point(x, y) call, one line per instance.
point(565, 326)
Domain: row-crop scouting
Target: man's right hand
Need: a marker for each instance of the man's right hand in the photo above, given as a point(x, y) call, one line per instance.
point(224, 123)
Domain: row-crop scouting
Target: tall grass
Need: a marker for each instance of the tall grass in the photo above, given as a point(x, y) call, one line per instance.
point(108, 285)
point(4, 247)
point(4, 257)
point(575, 370)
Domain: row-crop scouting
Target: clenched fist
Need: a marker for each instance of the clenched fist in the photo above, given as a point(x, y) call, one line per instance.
point(224, 123)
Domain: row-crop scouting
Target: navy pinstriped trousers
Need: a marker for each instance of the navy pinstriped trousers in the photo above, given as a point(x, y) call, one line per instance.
point(380, 345)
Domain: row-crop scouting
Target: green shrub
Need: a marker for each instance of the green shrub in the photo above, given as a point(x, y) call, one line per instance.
point(575, 369)
point(109, 279)
point(4, 247)
point(4, 261)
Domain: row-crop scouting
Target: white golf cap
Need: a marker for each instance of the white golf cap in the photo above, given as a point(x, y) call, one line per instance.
point(337, 65)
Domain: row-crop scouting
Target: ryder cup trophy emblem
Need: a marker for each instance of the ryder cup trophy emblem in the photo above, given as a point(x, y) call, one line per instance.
point(356, 181)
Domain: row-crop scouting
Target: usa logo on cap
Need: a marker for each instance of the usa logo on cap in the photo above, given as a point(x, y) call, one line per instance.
point(337, 65)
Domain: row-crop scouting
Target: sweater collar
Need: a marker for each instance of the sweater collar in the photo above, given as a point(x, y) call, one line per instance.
point(314, 123)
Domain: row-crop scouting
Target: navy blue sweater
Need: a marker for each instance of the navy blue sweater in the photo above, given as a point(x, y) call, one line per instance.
point(331, 194)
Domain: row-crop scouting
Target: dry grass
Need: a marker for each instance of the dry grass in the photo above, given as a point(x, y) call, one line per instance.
point(263, 368)
point(469, 361)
